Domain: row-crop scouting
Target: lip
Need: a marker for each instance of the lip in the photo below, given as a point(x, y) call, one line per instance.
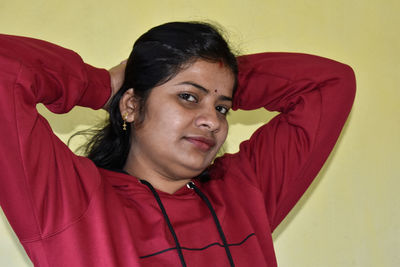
point(202, 143)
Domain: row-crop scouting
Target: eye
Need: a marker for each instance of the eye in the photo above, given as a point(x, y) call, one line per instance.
point(223, 110)
point(188, 97)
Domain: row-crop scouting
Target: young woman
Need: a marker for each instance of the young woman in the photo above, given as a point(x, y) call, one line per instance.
point(148, 193)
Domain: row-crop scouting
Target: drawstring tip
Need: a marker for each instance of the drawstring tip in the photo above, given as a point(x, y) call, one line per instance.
point(190, 185)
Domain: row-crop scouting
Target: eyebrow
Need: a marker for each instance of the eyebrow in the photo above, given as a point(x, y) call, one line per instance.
point(198, 86)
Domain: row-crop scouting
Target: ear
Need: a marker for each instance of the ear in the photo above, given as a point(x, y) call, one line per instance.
point(128, 105)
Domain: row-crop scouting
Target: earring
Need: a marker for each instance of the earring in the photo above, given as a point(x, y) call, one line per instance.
point(124, 118)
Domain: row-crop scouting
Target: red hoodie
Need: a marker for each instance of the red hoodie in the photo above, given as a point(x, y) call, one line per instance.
point(68, 212)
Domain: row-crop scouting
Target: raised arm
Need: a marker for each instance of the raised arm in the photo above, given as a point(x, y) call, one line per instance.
point(41, 184)
point(314, 96)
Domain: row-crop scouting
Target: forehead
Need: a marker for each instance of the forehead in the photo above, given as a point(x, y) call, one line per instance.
point(210, 75)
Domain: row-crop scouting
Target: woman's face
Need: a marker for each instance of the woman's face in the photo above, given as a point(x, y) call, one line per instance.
point(185, 122)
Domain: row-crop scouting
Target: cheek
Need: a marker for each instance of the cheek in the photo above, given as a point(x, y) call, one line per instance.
point(223, 133)
point(167, 118)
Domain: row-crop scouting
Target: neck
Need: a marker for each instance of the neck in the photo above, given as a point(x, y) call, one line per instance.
point(156, 178)
point(160, 183)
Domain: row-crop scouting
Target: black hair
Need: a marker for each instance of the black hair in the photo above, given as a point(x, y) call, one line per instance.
point(157, 56)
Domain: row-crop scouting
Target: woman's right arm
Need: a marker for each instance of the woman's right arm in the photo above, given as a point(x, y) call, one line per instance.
point(43, 185)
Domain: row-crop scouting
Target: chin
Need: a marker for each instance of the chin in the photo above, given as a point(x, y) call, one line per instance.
point(194, 164)
point(196, 167)
point(190, 171)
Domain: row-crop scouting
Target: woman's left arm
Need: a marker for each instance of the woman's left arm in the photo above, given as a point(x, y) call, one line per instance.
point(314, 96)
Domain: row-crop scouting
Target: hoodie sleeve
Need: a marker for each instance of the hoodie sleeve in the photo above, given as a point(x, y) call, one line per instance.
point(42, 188)
point(313, 96)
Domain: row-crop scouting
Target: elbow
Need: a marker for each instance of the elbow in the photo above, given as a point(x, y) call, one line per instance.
point(348, 81)
point(345, 80)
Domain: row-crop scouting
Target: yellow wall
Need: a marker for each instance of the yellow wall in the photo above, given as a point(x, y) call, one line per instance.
point(350, 217)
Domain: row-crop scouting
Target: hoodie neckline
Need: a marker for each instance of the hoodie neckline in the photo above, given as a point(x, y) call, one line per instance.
point(120, 178)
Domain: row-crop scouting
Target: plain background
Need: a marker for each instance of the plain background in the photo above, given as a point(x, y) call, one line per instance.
point(350, 216)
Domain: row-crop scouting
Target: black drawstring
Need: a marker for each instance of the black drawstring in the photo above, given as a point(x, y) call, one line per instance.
point(191, 185)
point(171, 229)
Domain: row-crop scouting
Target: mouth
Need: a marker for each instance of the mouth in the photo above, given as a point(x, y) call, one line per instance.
point(201, 143)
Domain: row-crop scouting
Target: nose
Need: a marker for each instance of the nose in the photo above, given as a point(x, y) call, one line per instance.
point(208, 119)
